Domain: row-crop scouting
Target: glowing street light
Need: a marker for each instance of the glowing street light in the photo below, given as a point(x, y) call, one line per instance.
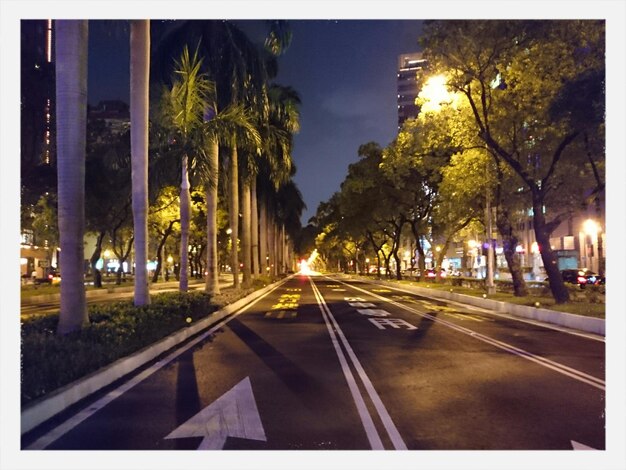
point(591, 227)
point(435, 93)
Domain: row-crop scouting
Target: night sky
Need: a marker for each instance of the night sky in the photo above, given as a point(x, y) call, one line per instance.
point(344, 71)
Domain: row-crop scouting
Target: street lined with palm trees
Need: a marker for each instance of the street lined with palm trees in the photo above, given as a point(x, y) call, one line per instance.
point(330, 363)
point(207, 104)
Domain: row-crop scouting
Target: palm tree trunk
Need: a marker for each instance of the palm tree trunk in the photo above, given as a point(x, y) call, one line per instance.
point(234, 213)
point(185, 208)
point(139, 78)
point(270, 245)
point(263, 236)
point(254, 226)
point(246, 255)
point(71, 99)
point(274, 257)
point(212, 279)
point(283, 259)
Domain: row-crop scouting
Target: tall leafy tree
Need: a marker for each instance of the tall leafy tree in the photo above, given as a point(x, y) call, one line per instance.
point(512, 73)
point(71, 101)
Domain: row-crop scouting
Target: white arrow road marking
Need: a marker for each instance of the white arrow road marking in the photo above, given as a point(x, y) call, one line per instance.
point(579, 446)
point(234, 414)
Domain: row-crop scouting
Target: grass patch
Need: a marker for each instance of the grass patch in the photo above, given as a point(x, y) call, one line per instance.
point(115, 330)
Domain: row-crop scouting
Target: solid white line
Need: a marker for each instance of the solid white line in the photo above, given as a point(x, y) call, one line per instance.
point(563, 369)
point(512, 317)
point(390, 427)
point(366, 418)
point(54, 434)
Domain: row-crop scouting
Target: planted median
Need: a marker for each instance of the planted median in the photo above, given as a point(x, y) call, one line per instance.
point(116, 330)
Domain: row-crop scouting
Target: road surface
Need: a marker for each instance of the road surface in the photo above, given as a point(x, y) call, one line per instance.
point(324, 363)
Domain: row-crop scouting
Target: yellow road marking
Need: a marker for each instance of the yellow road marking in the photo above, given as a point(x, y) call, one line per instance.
point(281, 314)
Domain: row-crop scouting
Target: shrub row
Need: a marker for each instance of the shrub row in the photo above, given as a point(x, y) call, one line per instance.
point(115, 330)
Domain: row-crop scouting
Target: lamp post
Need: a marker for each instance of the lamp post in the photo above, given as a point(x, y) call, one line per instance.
point(107, 254)
point(170, 260)
point(472, 250)
point(491, 288)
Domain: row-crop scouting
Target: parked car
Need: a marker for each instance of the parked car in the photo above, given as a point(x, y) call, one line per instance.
point(432, 273)
point(582, 277)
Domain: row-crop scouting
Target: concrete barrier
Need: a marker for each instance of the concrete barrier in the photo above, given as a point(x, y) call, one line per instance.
point(55, 402)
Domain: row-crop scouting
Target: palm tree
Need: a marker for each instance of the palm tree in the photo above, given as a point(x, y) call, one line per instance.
point(186, 104)
point(71, 101)
point(276, 168)
point(139, 78)
point(233, 120)
point(233, 210)
point(241, 73)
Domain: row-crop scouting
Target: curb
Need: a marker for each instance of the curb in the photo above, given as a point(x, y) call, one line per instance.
point(41, 410)
point(567, 320)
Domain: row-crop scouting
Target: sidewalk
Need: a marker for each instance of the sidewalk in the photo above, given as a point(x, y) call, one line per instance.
point(224, 281)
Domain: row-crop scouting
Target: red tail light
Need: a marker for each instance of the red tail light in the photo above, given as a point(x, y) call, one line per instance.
point(581, 280)
point(50, 276)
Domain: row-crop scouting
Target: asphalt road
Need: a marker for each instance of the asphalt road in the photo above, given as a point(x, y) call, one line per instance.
point(321, 364)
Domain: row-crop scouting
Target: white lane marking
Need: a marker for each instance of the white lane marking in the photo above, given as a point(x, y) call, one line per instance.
point(366, 418)
point(373, 312)
point(381, 323)
point(579, 446)
point(390, 427)
point(54, 434)
point(361, 304)
point(462, 316)
point(562, 369)
point(353, 299)
point(233, 414)
point(512, 317)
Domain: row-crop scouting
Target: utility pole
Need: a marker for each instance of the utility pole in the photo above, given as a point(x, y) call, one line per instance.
point(491, 288)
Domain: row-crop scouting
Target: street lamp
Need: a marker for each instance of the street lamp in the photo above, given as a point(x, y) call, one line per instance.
point(592, 232)
point(434, 93)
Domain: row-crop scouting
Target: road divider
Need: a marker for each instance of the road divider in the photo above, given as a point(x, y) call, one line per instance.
point(338, 339)
point(51, 405)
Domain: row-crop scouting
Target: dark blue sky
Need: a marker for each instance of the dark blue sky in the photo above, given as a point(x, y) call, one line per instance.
point(344, 71)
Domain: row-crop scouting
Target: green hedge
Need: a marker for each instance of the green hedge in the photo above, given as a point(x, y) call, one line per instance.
point(115, 330)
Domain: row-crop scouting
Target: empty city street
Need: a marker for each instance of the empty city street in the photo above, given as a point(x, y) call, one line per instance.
point(325, 363)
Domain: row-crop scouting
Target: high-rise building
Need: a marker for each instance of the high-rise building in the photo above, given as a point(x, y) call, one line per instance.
point(409, 66)
point(37, 91)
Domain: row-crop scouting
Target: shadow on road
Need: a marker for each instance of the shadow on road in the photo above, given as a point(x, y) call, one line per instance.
point(308, 389)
